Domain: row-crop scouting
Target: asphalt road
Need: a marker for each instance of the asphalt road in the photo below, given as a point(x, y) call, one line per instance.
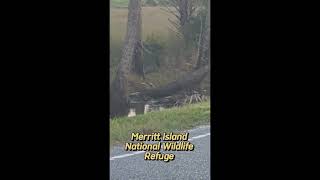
point(190, 165)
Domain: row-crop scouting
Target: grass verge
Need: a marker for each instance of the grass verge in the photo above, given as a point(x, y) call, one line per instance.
point(173, 119)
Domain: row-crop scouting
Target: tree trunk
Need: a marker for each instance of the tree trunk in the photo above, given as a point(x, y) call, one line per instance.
point(137, 63)
point(119, 104)
point(185, 14)
point(186, 82)
point(184, 11)
point(204, 53)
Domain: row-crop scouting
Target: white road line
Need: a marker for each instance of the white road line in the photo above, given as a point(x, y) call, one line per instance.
point(125, 155)
point(140, 152)
point(200, 136)
point(200, 127)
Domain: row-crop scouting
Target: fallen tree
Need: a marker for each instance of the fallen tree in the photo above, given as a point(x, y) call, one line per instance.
point(188, 81)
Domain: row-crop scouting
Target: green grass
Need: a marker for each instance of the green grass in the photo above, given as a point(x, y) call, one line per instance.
point(119, 3)
point(174, 119)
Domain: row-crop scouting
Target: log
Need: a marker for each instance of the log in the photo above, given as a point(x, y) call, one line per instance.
point(188, 81)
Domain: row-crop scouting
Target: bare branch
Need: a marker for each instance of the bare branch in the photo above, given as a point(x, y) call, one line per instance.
point(200, 35)
point(171, 12)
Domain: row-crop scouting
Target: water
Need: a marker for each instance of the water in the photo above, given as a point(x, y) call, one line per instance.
point(140, 106)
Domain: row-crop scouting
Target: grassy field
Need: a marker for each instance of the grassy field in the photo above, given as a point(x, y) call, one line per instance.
point(173, 119)
point(154, 20)
point(119, 3)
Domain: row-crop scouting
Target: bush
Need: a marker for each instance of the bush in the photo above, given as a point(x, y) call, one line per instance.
point(153, 53)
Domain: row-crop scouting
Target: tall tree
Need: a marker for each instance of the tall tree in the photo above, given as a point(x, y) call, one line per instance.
point(137, 63)
point(119, 103)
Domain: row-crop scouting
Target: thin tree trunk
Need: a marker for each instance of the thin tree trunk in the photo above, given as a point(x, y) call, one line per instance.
point(184, 7)
point(137, 62)
point(204, 54)
point(184, 13)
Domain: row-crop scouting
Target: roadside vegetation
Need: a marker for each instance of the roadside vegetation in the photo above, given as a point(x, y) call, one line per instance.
point(173, 119)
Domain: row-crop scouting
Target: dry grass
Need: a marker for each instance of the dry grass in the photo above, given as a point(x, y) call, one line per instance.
point(154, 20)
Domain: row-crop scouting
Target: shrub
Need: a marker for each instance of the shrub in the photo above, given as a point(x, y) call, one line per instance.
point(154, 52)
